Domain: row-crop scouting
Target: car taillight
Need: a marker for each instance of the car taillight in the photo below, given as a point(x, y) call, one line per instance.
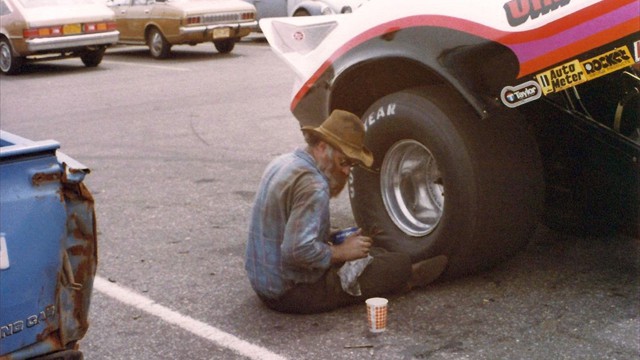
point(42, 32)
point(99, 27)
point(193, 20)
point(68, 29)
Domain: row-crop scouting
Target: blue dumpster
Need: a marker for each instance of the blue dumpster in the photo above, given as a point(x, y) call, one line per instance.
point(48, 250)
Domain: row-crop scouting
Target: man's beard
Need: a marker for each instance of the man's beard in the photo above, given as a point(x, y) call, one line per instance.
point(337, 179)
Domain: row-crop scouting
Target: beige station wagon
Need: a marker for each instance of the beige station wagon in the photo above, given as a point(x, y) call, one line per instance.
point(32, 30)
point(160, 24)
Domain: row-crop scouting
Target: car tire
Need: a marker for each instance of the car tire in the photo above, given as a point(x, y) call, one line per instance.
point(9, 63)
point(225, 46)
point(301, 12)
point(446, 182)
point(92, 58)
point(159, 47)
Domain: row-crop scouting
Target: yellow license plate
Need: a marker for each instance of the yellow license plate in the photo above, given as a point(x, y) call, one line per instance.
point(221, 33)
point(70, 29)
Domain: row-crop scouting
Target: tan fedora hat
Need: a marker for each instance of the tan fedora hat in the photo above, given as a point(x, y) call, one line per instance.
point(344, 131)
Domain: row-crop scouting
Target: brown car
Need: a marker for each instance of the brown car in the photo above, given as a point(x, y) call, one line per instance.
point(161, 24)
point(33, 30)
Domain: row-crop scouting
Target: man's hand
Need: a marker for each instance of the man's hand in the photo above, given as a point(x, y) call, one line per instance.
point(354, 247)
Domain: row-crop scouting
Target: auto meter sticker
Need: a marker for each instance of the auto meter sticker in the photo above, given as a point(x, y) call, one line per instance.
point(513, 96)
point(561, 77)
point(577, 72)
point(607, 62)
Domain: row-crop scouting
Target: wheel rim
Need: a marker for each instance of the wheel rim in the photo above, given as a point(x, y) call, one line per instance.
point(412, 188)
point(156, 43)
point(5, 57)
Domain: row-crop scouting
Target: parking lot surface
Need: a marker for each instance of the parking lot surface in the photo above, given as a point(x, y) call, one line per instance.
point(176, 149)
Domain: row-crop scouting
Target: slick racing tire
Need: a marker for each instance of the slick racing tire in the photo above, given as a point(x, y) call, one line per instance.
point(445, 181)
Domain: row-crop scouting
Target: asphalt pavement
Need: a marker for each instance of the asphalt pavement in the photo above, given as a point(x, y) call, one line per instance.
point(176, 149)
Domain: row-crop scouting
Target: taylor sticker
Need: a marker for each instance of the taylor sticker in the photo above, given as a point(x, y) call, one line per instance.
point(513, 96)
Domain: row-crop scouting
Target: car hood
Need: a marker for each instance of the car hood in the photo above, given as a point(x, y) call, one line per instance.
point(207, 6)
point(65, 14)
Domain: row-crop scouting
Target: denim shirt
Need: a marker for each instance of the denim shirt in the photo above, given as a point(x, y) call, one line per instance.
point(289, 228)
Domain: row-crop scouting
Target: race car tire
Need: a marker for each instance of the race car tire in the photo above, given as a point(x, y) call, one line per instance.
point(445, 181)
point(301, 12)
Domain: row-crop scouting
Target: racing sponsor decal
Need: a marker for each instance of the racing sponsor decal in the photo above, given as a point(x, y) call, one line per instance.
point(607, 62)
point(636, 50)
point(513, 96)
point(561, 77)
point(519, 11)
point(577, 72)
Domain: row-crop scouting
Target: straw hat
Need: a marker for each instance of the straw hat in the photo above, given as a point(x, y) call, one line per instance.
point(344, 131)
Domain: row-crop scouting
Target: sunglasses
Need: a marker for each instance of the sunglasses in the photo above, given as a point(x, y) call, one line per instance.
point(348, 162)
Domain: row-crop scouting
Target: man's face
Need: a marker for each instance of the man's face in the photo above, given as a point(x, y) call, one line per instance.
point(336, 166)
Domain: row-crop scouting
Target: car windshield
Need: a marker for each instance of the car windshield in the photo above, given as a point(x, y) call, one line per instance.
point(39, 3)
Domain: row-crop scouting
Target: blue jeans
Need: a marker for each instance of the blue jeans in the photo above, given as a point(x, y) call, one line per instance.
point(388, 273)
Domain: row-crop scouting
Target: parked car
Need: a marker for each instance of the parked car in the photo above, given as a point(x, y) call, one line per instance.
point(279, 8)
point(48, 250)
point(484, 117)
point(160, 24)
point(53, 29)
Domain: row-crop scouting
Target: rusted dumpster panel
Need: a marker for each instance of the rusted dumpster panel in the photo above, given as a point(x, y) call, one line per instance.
point(48, 249)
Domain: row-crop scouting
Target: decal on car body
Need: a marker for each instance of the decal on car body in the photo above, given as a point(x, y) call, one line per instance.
point(607, 62)
point(519, 11)
point(561, 77)
point(513, 96)
point(47, 314)
point(577, 72)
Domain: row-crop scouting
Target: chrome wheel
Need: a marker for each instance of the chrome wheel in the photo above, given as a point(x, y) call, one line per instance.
point(158, 46)
point(5, 57)
point(412, 188)
point(9, 64)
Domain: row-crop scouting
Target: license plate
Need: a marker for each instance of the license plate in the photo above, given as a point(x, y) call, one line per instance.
point(71, 29)
point(221, 33)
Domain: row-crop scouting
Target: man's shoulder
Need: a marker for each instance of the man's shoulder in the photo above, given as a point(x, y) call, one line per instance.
point(298, 159)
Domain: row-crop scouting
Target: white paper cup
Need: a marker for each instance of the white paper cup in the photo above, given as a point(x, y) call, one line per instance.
point(377, 314)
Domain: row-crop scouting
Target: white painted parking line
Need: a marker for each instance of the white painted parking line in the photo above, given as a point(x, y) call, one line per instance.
point(194, 326)
point(160, 67)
